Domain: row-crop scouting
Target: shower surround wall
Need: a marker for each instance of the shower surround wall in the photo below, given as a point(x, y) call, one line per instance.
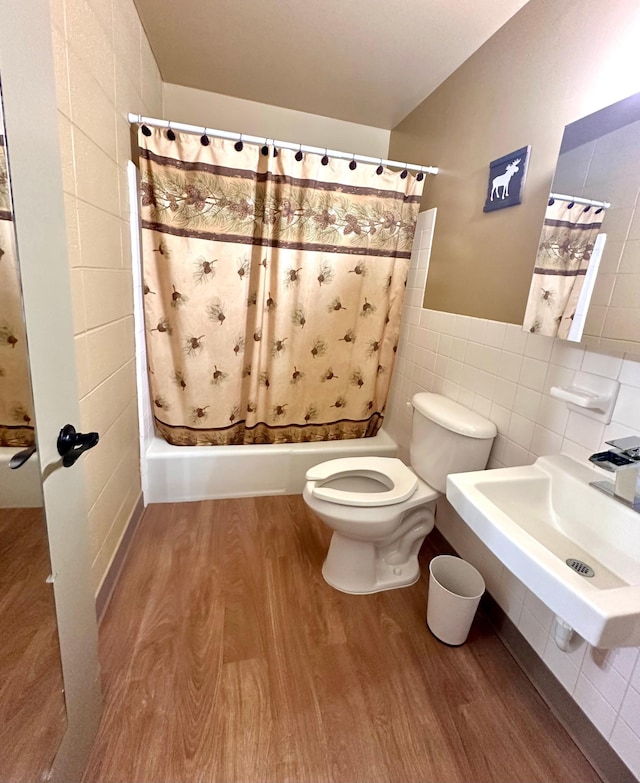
point(505, 374)
point(104, 70)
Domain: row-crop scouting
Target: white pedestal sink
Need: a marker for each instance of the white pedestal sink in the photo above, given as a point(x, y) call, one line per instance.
point(536, 518)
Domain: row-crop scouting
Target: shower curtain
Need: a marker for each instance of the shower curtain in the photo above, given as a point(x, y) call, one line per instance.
point(568, 237)
point(273, 288)
point(16, 428)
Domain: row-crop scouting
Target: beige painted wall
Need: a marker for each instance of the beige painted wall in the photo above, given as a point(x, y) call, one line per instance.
point(549, 65)
point(223, 112)
point(104, 69)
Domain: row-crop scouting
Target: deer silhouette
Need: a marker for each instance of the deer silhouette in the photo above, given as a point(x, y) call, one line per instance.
point(502, 181)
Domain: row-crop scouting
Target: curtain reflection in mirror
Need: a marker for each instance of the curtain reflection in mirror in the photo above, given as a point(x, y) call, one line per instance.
point(16, 427)
point(565, 252)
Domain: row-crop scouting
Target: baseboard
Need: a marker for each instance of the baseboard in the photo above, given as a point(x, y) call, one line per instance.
point(113, 572)
point(593, 745)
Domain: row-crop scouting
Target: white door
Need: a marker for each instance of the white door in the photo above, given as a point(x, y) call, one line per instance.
point(26, 71)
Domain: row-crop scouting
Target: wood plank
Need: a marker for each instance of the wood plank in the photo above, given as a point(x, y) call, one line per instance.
point(293, 694)
point(244, 737)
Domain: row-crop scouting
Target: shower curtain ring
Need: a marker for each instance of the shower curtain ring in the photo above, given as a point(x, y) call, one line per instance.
point(239, 145)
point(204, 139)
point(265, 147)
point(170, 134)
point(143, 127)
point(299, 154)
point(325, 158)
point(404, 173)
point(353, 165)
point(380, 168)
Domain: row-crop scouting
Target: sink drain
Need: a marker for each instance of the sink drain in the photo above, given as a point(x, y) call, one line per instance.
point(580, 568)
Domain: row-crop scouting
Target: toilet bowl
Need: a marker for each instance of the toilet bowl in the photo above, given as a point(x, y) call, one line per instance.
point(374, 546)
point(381, 510)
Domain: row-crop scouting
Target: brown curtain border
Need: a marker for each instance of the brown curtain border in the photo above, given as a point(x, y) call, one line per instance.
point(572, 224)
point(241, 424)
point(538, 270)
point(16, 436)
point(5, 215)
point(264, 434)
point(278, 179)
point(243, 239)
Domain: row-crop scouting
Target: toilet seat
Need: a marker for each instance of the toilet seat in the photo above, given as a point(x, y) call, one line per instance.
point(389, 471)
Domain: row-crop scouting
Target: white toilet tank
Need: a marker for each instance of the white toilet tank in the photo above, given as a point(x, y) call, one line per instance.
point(447, 437)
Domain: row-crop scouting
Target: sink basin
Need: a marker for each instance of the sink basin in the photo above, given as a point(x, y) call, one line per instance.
point(536, 518)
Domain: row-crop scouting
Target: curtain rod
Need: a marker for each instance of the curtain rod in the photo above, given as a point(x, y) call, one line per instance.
point(138, 119)
point(577, 200)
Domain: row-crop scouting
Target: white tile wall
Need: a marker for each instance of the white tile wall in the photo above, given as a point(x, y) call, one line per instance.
point(104, 69)
point(505, 374)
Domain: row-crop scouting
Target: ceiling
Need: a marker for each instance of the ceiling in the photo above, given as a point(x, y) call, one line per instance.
point(365, 61)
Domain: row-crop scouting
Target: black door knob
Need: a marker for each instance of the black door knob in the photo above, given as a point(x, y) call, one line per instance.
point(72, 444)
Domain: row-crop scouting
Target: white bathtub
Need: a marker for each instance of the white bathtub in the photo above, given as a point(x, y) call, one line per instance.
point(178, 473)
point(19, 488)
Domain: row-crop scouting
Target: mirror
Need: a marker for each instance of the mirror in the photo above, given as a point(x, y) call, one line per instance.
point(32, 708)
point(599, 162)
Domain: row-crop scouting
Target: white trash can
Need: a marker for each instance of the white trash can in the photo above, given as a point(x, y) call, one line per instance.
point(455, 589)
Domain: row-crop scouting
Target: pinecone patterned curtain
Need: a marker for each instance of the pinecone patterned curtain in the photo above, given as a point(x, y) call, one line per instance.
point(16, 428)
point(273, 289)
point(568, 237)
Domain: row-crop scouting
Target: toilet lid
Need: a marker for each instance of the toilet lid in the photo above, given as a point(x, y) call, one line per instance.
point(389, 471)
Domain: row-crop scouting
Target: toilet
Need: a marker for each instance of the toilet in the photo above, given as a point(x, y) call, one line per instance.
point(380, 510)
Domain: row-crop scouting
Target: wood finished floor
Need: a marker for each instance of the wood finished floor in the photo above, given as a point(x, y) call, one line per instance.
point(226, 657)
point(32, 709)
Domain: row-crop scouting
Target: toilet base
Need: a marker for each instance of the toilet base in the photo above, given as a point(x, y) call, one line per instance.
point(387, 578)
point(362, 567)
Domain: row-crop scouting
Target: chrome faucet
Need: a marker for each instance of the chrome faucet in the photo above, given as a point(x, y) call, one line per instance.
point(624, 461)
